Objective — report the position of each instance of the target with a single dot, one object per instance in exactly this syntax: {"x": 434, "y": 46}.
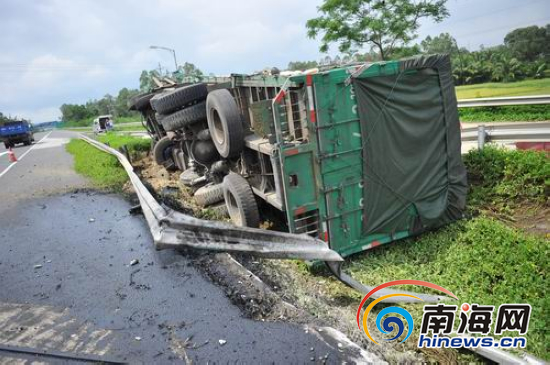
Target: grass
{"x": 122, "y": 127}
{"x": 134, "y": 144}
{"x": 505, "y": 113}
{"x": 481, "y": 261}
{"x": 516, "y": 113}
{"x": 103, "y": 169}
{"x": 495, "y": 89}
{"x": 503, "y": 178}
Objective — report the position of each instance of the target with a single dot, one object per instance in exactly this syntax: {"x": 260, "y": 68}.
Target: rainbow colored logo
{"x": 387, "y": 325}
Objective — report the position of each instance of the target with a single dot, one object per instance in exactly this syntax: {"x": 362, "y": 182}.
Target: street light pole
{"x": 169, "y": 50}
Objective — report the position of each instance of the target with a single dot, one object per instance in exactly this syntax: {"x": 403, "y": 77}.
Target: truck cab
{"x": 14, "y": 132}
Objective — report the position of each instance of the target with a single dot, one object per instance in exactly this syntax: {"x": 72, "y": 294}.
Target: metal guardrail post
{"x": 481, "y": 136}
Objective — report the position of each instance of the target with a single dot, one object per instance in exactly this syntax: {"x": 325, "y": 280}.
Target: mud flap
{"x": 336, "y": 269}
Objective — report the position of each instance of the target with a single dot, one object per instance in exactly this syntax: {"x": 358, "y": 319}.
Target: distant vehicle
{"x": 103, "y": 123}
{"x": 15, "y": 132}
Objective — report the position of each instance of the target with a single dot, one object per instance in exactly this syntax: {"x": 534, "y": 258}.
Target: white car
{"x": 103, "y": 123}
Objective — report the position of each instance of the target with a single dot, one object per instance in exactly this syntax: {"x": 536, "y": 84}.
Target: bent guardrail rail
{"x": 175, "y": 230}
{"x": 172, "y": 229}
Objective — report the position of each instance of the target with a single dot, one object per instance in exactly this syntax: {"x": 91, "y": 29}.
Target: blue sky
{"x": 69, "y": 51}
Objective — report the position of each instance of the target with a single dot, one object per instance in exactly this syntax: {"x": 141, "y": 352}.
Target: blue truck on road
{"x": 13, "y": 132}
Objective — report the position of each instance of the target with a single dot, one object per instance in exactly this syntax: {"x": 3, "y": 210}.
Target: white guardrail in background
{"x": 503, "y": 101}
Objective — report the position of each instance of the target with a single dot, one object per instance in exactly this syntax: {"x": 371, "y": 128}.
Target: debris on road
{"x": 38, "y": 266}
{"x": 222, "y": 342}
{"x": 91, "y": 220}
{"x": 134, "y": 262}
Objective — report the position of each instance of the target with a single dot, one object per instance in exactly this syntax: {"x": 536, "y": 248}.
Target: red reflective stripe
{"x": 279, "y": 97}
{"x": 299, "y": 210}
{"x": 326, "y": 236}
{"x": 292, "y": 152}
{"x": 312, "y": 116}
{"x": 375, "y": 243}
{"x": 309, "y": 80}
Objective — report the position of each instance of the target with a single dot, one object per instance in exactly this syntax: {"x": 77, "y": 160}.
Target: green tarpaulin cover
{"x": 413, "y": 171}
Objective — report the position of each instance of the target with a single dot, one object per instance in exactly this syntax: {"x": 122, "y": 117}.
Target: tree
{"x": 382, "y": 24}
{"x": 189, "y": 69}
{"x": 443, "y": 43}
{"x": 529, "y": 43}
{"x": 301, "y": 65}
{"x": 146, "y": 82}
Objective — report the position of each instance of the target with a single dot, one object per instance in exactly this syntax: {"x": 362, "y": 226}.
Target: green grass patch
{"x": 481, "y": 261}
{"x": 134, "y": 144}
{"x": 495, "y": 89}
{"x": 122, "y": 127}
{"x": 503, "y": 178}
{"x": 512, "y": 113}
{"x": 103, "y": 169}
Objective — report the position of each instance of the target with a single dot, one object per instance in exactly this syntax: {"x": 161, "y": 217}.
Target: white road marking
{"x": 3, "y": 153}
{"x": 23, "y": 155}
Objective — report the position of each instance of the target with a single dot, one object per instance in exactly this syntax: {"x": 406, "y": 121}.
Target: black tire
{"x": 208, "y": 195}
{"x": 170, "y": 101}
{"x": 140, "y": 102}
{"x": 224, "y": 123}
{"x": 7, "y": 145}
{"x": 181, "y": 118}
{"x": 162, "y": 151}
{"x": 240, "y": 201}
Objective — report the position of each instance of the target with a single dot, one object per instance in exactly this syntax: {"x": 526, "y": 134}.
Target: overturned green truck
{"x": 357, "y": 155}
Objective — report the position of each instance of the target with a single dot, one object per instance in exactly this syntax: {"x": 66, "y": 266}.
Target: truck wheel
{"x": 181, "y": 118}
{"x": 224, "y": 123}
{"x": 162, "y": 152}
{"x": 7, "y": 145}
{"x": 209, "y": 194}
{"x": 240, "y": 201}
{"x": 140, "y": 102}
{"x": 169, "y": 102}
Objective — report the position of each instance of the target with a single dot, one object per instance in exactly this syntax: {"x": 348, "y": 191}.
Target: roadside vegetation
{"x": 496, "y": 89}
{"x": 103, "y": 169}
{"x": 494, "y": 256}
{"x": 515, "y": 113}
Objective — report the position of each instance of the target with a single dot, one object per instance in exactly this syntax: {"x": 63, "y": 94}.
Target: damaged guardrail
{"x": 172, "y": 229}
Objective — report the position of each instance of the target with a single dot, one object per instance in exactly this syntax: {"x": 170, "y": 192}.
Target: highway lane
{"x": 20, "y": 151}
{"x": 67, "y": 283}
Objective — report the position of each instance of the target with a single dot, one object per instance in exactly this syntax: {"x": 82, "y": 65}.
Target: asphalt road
{"x": 67, "y": 284}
